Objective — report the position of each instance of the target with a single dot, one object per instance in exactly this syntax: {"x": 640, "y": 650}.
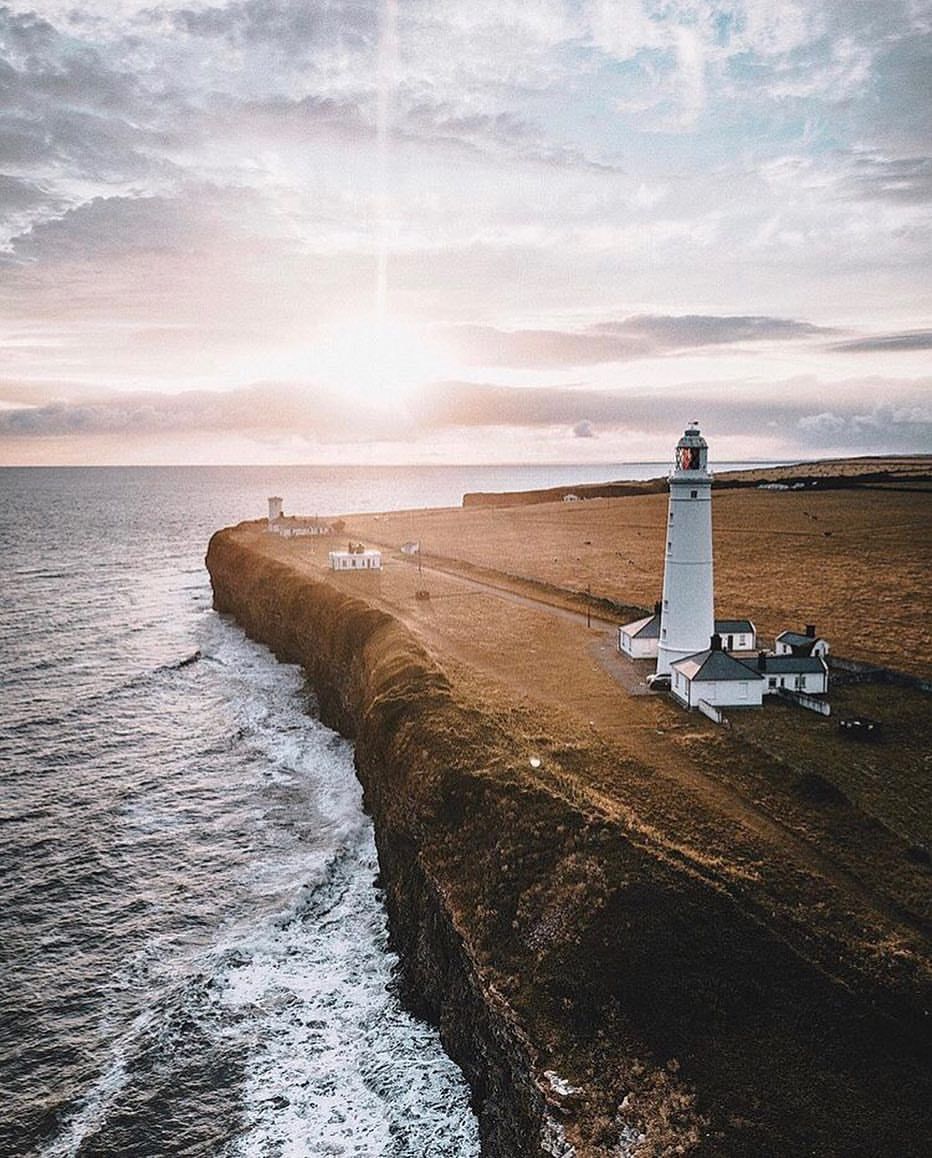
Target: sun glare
{"x": 379, "y": 361}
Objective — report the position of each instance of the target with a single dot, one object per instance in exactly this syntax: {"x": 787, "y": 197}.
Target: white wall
{"x": 813, "y": 682}
{"x": 636, "y": 648}
{"x": 721, "y": 693}
{"x": 687, "y": 614}
{"x": 740, "y": 641}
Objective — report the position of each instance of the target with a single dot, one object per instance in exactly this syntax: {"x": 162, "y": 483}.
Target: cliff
{"x": 603, "y": 990}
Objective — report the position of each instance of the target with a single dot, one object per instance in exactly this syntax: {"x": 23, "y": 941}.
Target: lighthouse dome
{"x": 692, "y": 451}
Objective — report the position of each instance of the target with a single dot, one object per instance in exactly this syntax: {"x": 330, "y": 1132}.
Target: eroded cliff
{"x": 604, "y": 991}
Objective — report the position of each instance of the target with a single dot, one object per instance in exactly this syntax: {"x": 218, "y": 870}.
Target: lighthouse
{"x": 687, "y": 611}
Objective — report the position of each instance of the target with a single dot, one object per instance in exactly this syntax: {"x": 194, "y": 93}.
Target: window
{"x": 663, "y": 632}
{"x": 772, "y": 682}
{"x": 669, "y": 545}
{"x": 694, "y": 494}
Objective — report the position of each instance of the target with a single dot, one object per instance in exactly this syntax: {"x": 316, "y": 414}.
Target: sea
{"x": 194, "y": 956}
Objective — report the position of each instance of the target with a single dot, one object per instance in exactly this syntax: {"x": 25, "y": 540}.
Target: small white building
{"x": 797, "y": 643}
{"x": 639, "y": 639}
{"x": 717, "y": 678}
{"x": 796, "y": 673}
{"x": 571, "y": 498}
{"x": 737, "y": 634}
{"x": 356, "y": 560}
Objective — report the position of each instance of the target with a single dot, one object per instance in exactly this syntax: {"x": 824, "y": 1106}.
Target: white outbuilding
{"x": 737, "y": 634}
{"x": 801, "y": 643}
{"x": 717, "y": 678}
{"x": 356, "y": 560}
{"x": 639, "y": 639}
{"x": 796, "y": 673}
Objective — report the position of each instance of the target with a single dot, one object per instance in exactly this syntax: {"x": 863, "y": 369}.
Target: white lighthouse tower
{"x": 687, "y": 612}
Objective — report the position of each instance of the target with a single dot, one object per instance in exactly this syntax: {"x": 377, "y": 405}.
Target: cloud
{"x": 890, "y": 414}
{"x": 641, "y": 336}
{"x": 798, "y": 415}
{"x": 107, "y": 225}
{"x": 887, "y": 343}
{"x": 883, "y": 425}
{"x": 259, "y": 409}
{"x": 874, "y": 177}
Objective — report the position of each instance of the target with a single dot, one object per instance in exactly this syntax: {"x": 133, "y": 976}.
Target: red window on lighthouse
{"x": 688, "y": 457}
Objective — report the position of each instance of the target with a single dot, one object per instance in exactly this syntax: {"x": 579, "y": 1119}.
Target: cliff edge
{"x": 606, "y": 988}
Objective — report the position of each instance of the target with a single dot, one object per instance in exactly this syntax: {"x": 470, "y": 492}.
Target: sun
{"x": 376, "y": 360}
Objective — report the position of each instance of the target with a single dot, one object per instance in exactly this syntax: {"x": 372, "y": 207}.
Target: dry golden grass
{"x": 854, "y": 562}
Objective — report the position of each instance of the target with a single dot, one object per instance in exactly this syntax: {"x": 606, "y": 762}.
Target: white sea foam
{"x": 335, "y": 1065}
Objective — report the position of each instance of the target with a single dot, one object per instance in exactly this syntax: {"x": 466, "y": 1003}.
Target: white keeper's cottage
{"x": 796, "y": 673}
{"x": 801, "y": 643}
{"x": 717, "y": 678}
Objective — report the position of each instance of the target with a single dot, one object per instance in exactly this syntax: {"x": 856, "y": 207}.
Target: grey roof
{"x": 792, "y": 664}
{"x": 733, "y": 626}
{"x": 706, "y": 666}
{"x": 646, "y": 628}
{"x": 797, "y": 639}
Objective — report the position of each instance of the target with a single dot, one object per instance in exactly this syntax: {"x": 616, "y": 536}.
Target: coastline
{"x": 551, "y": 930}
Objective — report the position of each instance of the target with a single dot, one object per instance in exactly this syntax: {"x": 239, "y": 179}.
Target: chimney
{"x": 715, "y": 643}
{"x": 762, "y": 661}
{"x": 810, "y": 630}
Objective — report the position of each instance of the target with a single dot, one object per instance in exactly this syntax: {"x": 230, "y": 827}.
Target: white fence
{"x": 715, "y": 714}
{"x": 804, "y": 701}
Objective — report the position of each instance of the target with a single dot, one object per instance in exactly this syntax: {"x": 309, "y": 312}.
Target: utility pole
{"x": 589, "y": 605}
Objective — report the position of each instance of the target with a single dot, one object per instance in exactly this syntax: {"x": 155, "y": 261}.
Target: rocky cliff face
{"x": 603, "y": 994}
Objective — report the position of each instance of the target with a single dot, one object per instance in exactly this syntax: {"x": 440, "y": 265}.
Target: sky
{"x": 401, "y": 231}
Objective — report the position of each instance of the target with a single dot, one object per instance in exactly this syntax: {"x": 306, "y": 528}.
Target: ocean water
{"x": 192, "y": 943}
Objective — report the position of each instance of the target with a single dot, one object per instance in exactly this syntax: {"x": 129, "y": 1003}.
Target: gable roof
{"x": 792, "y": 664}
{"x": 797, "y": 639}
{"x": 647, "y": 628}
{"x": 718, "y": 666}
{"x": 733, "y": 626}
